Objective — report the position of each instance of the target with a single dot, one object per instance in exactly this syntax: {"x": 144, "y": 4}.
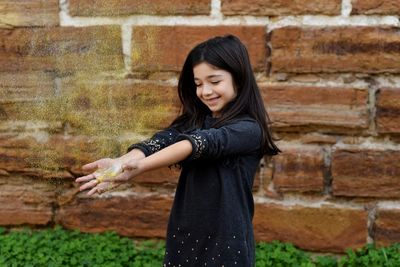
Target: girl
{"x": 218, "y": 140}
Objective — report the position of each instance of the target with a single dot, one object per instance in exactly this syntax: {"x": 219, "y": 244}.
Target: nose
{"x": 207, "y": 90}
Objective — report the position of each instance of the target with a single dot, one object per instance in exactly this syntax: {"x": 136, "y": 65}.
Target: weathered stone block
{"x": 166, "y": 47}
{"x": 336, "y": 49}
{"x": 299, "y": 169}
{"x": 388, "y": 110}
{"x": 359, "y": 172}
{"x": 25, "y": 201}
{"x": 129, "y": 7}
{"x": 135, "y": 216}
{"x": 386, "y": 229}
{"x": 280, "y": 7}
{"x": 62, "y": 49}
{"x": 336, "y": 109}
{"x": 25, "y": 86}
{"x": 317, "y": 229}
{"x": 29, "y": 13}
{"x": 375, "y": 7}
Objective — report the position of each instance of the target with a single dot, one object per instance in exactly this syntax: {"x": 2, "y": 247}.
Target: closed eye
{"x": 215, "y": 82}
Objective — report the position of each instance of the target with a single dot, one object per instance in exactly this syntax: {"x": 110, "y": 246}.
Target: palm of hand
{"x": 92, "y": 182}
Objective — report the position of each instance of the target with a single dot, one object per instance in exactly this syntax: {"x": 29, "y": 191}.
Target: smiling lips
{"x": 212, "y": 101}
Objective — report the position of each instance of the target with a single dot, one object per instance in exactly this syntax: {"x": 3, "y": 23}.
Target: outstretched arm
{"x": 163, "y": 158}
{"x": 103, "y": 167}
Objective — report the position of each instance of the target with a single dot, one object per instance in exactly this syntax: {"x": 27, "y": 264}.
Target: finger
{"x": 113, "y": 186}
{"x": 99, "y": 189}
{"x": 91, "y": 166}
{"x": 85, "y": 178}
{"x": 102, "y": 187}
{"x": 88, "y": 185}
{"x": 92, "y": 191}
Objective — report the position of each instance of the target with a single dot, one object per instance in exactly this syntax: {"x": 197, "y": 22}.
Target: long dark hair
{"x": 229, "y": 54}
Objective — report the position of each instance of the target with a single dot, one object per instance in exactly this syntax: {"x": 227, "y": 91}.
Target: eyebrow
{"x": 210, "y": 76}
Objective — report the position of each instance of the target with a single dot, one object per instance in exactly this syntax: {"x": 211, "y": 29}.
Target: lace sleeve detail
{"x": 159, "y": 141}
{"x": 199, "y": 145}
{"x": 239, "y": 138}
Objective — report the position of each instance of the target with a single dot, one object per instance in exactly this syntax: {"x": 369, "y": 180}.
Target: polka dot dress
{"x": 210, "y": 223}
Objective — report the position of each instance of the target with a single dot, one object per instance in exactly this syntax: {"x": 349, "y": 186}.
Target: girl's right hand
{"x": 91, "y": 180}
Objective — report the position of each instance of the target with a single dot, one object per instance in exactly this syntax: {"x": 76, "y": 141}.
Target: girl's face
{"x": 214, "y": 87}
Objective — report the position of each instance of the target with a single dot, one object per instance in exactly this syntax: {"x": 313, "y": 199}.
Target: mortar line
{"x": 126, "y": 36}
{"x": 372, "y": 94}
{"x": 216, "y": 18}
{"x": 216, "y": 9}
{"x": 303, "y": 201}
{"x": 371, "y": 218}
{"x": 327, "y": 170}
{"x": 260, "y": 191}
{"x": 346, "y": 8}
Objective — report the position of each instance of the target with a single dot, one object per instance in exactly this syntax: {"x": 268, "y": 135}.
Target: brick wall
{"x": 81, "y": 79}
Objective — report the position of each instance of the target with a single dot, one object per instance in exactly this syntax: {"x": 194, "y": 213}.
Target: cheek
{"x": 198, "y": 92}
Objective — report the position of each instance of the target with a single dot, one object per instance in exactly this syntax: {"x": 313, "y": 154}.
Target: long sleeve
{"x": 157, "y": 142}
{"x": 241, "y": 137}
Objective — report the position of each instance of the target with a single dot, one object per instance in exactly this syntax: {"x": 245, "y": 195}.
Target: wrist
{"x": 133, "y": 154}
{"x": 141, "y": 166}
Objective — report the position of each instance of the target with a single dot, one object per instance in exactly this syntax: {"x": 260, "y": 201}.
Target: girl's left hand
{"x": 130, "y": 169}
{"x": 108, "y": 175}
{"x": 102, "y": 187}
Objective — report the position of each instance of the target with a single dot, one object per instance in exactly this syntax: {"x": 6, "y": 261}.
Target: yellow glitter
{"x": 108, "y": 173}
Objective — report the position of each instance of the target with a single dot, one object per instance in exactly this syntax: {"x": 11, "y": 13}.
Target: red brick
{"x": 336, "y": 49}
{"x": 386, "y": 228}
{"x": 25, "y": 201}
{"x": 28, "y": 86}
{"x": 280, "y": 7}
{"x": 134, "y": 216}
{"x": 338, "y": 109}
{"x": 359, "y": 172}
{"x": 66, "y": 49}
{"x": 49, "y": 159}
{"x": 159, "y": 176}
{"x": 299, "y": 169}
{"x": 375, "y": 7}
{"x": 388, "y": 110}
{"x": 129, "y": 7}
{"x": 117, "y": 105}
{"x": 316, "y": 138}
{"x": 325, "y": 229}
{"x": 29, "y": 13}
{"x": 166, "y": 47}
{"x": 95, "y": 107}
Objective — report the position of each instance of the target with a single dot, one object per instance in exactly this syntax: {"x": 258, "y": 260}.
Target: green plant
{"x": 281, "y": 255}
{"x": 371, "y": 256}
{"x": 59, "y": 247}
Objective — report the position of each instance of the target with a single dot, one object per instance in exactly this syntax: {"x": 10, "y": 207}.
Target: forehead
{"x": 205, "y": 70}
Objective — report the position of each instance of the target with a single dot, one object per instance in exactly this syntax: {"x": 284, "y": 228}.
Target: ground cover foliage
{"x": 60, "y": 247}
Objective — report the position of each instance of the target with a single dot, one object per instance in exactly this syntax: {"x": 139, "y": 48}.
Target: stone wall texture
{"x": 80, "y": 80}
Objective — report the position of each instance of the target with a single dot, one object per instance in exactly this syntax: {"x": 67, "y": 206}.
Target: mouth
{"x": 212, "y": 101}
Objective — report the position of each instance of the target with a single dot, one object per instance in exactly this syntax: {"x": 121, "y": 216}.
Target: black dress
{"x": 210, "y": 222}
